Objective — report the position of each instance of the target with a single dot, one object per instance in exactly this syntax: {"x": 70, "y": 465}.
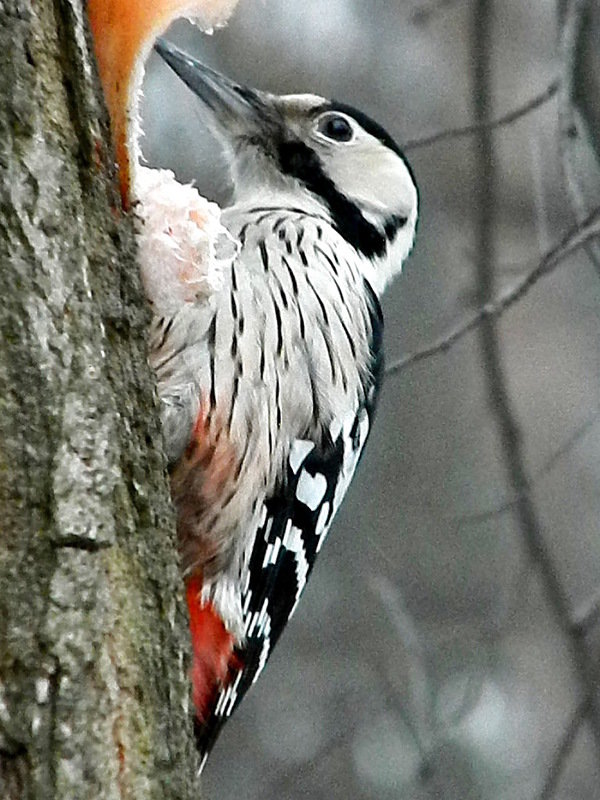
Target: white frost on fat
{"x": 183, "y": 246}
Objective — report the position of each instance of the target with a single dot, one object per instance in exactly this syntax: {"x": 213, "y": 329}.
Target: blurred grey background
{"x": 424, "y": 660}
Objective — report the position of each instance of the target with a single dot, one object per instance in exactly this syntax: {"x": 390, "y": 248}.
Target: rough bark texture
{"x": 93, "y": 643}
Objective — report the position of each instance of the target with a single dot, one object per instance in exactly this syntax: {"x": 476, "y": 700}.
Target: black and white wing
{"x": 292, "y": 526}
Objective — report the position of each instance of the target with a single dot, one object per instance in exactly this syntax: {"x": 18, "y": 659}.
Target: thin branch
{"x": 501, "y": 122}
{"x": 280, "y": 785}
{"x": 470, "y": 699}
{"x": 576, "y": 150}
{"x": 587, "y": 615}
{"x": 533, "y": 534}
{"x": 575, "y": 238}
{"x": 548, "y": 466}
{"x": 424, "y": 13}
{"x": 420, "y": 686}
{"x": 541, "y": 212}
{"x": 499, "y": 398}
{"x": 485, "y": 211}
{"x": 564, "y": 750}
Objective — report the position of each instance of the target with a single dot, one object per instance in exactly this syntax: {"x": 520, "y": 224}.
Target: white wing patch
{"x": 322, "y": 520}
{"x": 311, "y": 489}
{"x": 298, "y": 452}
{"x": 294, "y": 542}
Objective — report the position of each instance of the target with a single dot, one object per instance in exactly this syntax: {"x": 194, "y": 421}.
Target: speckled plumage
{"x": 269, "y": 383}
{"x": 254, "y": 364}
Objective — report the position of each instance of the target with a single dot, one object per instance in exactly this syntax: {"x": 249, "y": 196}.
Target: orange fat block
{"x": 124, "y": 32}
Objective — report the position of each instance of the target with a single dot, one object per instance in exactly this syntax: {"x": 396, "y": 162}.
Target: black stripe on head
{"x": 299, "y": 161}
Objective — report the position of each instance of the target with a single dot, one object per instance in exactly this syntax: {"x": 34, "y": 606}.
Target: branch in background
{"x": 488, "y": 125}
{"x": 423, "y": 14}
{"x": 580, "y": 160}
{"x": 283, "y": 783}
{"x": 500, "y": 402}
{"x": 575, "y": 238}
{"x": 587, "y": 74}
{"x": 548, "y": 466}
{"x": 564, "y": 750}
{"x": 538, "y": 173}
{"x": 422, "y": 722}
{"x": 587, "y": 615}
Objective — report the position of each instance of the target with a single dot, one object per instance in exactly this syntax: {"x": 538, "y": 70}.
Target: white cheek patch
{"x": 374, "y": 177}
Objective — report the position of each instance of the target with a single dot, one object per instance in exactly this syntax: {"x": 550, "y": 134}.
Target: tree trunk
{"x": 93, "y": 634}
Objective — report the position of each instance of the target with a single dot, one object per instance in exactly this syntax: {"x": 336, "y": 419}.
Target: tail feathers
{"x": 215, "y": 662}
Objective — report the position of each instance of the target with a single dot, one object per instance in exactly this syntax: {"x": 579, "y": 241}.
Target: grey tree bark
{"x": 93, "y": 634}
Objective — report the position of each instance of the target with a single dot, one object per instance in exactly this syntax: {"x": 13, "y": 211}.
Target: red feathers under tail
{"x": 214, "y": 659}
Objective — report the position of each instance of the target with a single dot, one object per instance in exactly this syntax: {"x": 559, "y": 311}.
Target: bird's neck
{"x": 279, "y": 197}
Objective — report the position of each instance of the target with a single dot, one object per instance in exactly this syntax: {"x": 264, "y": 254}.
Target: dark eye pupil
{"x": 336, "y": 128}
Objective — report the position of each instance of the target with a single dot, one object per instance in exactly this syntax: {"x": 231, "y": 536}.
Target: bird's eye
{"x": 335, "y": 127}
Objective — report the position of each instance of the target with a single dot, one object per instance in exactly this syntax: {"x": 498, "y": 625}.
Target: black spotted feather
{"x": 294, "y": 522}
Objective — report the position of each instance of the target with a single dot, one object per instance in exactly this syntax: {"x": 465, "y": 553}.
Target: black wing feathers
{"x": 294, "y": 523}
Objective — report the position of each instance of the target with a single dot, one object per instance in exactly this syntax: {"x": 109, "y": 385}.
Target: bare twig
{"x": 587, "y": 615}
{"x": 423, "y": 13}
{"x": 577, "y": 152}
{"x": 575, "y": 238}
{"x": 470, "y": 699}
{"x": 485, "y": 209}
{"x": 548, "y": 466}
{"x": 499, "y": 399}
{"x": 391, "y": 600}
{"x": 420, "y": 689}
{"x": 280, "y": 785}
{"x": 533, "y": 534}
{"x": 541, "y": 212}
{"x": 563, "y": 750}
{"x": 501, "y": 122}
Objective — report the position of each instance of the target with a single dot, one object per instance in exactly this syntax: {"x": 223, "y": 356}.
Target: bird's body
{"x": 268, "y": 385}
{"x": 285, "y": 378}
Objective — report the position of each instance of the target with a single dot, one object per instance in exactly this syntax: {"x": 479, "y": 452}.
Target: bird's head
{"x": 321, "y": 155}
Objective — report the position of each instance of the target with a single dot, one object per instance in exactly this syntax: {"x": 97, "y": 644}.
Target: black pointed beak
{"x": 236, "y": 109}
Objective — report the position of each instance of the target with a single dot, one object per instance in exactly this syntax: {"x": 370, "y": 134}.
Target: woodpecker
{"x": 269, "y": 385}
